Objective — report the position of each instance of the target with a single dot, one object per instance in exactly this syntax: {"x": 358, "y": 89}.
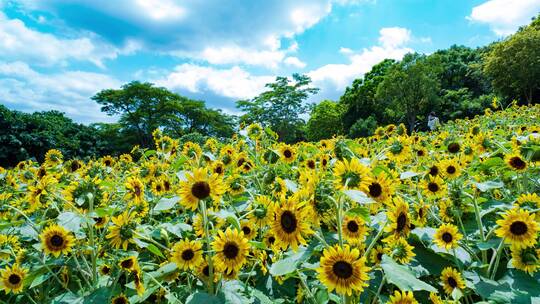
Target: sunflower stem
{"x": 92, "y": 241}
{"x": 493, "y": 267}
{"x": 480, "y": 228}
{"x": 383, "y": 281}
{"x": 375, "y": 239}
{"x": 207, "y": 237}
{"x": 305, "y": 286}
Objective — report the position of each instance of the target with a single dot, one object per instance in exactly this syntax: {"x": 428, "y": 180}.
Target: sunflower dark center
{"x": 450, "y": 169}
{"x": 206, "y": 270}
{"x": 167, "y": 185}
{"x": 137, "y": 190}
{"x": 127, "y": 264}
{"x": 287, "y": 153}
{"x": 98, "y": 220}
{"x": 342, "y": 269}
{"x": 517, "y": 163}
{"x": 311, "y": 164}
{"x": 433, "y": 171}
{"x": 187, "y": 255}
{"x": 158, "y": 188}
{"x": 420, "y": 152}
{"x": 375, "y": 190}
{"x": 518, "y": 228}
{"x": 120, "y": 301}
{"x": 57, "y": 240}
{"x": 75, "y": 166}
{"x": 447, "y": 237}
{"x": 453, "y": 148}
{"x": 324, "y": 162}
{"x": 352, "y": 226}
{"x": 288, "y": 222}
{"x": 230, "y": 250}
{"x": 379, "y": 256}
{"x": 107, "y": 163}
{"x": 452, "y": 282}
{"x": 401, "y": 222}
{"x": 14, "y": 279}
{"x": 218, "y": 170}
{"x": 433, "y": 187}
{"x": 271, "y": 240}
{"x": 200, "y": 190}
{"x": 246, "y": 230}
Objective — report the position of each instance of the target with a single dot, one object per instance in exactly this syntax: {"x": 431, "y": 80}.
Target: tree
{"x": 324, "y": 121}
{"x": 281, "y": 107}
{"x": 359, "y": 99}
{"x": 514, "y": 64}
{"x": 410, "y": 88}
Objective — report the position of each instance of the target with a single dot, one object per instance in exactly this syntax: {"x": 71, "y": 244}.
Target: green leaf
{"x": 360, "y": 211}
{"x": 408, "y": 174}
{"x": 402, "y": 276}
{"x": 287, "y": 265}
{"x": 291, "y": 186}
{"x": 166, "y": 203}
{"x": 203, "y": 297}
{"x": 39, "y": 280}
{"x": 152, "y": 248}
{"x": 358, "y": 196}
{"x": 232, "y": 292}
{"x": 489, "y": 185}
{"x": 70, "y": 220}
{"x": 163, "y": 270}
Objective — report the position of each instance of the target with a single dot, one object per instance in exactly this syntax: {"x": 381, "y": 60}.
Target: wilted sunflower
{"x": 451, "y": 279}
{"x": 343, "y": 269}
{"x": 351, "y": 174}
{"x": 231, "y": 249}
{"x": 187, "y": 254}
{"x": 122, "y": 231}
{"x": 129, "y": 264}
{"x": 137, "y": 280}
{"x": 199, "y": 186}
{"x": 12, "y": 279}
{"x": 526, "y": 259}
{"x": 354, "y": 229}
{"x": 399, "y": 218}
{"x": 434, "y": 187}
{"x": 56, "y": 240}
{"x": 290, "y": 225}
{"x": 120, "y": 299}
{"x": 287, "y": 153}
{"x": 402, "y": 297}
{"x": 447, "y": 236}
{"x": 518, "y": 227}
{"x": 516, "y": 162}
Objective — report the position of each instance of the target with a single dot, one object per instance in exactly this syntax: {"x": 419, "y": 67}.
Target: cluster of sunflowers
{"x": 443, "y": 217}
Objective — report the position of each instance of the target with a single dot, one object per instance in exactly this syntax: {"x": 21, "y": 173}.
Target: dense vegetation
{"x": 440, "y": 217}
{"x": 455, "y": 83}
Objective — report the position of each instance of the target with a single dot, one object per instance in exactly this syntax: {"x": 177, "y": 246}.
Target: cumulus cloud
{"x": 26, "y": 89}
{"x": 18, "y": 42}
{"x": 294, "y": 62}
{"x": 504, "y": 17}
{"x": 338, "y": 76}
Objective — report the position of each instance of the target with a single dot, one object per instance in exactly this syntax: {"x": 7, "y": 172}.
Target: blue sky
{"x": 56, "y": 54}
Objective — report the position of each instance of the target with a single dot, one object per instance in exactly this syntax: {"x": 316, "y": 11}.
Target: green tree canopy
{"x": 324, "y": 121}
{"x": 281, "y": 107}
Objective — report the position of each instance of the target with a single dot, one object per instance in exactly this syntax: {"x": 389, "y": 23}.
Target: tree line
{"x": 454, "y": 83}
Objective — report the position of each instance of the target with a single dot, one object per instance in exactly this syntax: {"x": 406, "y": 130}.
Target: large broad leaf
{"x": 288, "y": 264}
{"x": 360, "y": 211}
{"x": 166, "y": 203}
{"x": 489, "y": 185}
{"x": 203, "y": 297}
{"x": 232, "y": 292}
{"x": 291, "y": 186}
{"x": 358, "y": 196}
{"x": 176, "y": 229}
{"x": 402, "y": 276}
{"x": 70, "y": 220}
{"x": 408, "y": 174}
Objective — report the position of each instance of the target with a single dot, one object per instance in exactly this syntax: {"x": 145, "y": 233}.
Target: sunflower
{"x": 445, "y": 211}
{"x": 434, "y": 187}
{"x": 351, "y": 175}
{"x": 105, "y": 270}
{"x": 231, "y": 249}
{"x": 120, "y": 299}
{"x": 451, "y": 279}
{"x": 199, "y": 186}
{"x": 287, "y": 153}
{"x": 526, "y": 259}
{"x": 402, "y": 297}
{"x": 129, "y": 264}
{"x": 447, "y": 236}
{"x": 248, "y": 228}
{"x": 398, "y": 149}
{"x": 56, "y": 240}
{"x": 122, "y": 231}
{"x": 100, "y": 221}
{"x": 53, "y": 157}
{"x": 516, "y": 162}
{"x": 289, "y": 226}
{"x": 343, "y": 269}
{"x": 450, "y": 168}
{"x": 421, "y": 210}
{"x": 157, "y": 187}
{"x": 134, "y": 189}
{"x": 262, "y": 213}
{"x": 108, "y": 161}
{"x": 377, "y": 253}
{"x": 529, "y": 199}
{"x": 8, "y": 243}
{"x": 380, "y": 188}
{"x": 12, "y": 279}
{"x": 218, "y": 168}
{"x": 139, "y": 285}
{"x": 400, "y": 250}
{"x": 187, "y": 254}
{"x": 518, "y": 227}
{"x": 354, "y": 229}
{"x": 398, "y": 216}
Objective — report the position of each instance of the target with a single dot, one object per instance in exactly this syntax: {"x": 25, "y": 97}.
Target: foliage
{"x": 514, "y": 64}
{"x": 363, "y": 127}
{"x": 281, "y": 107}
{"x": 324, "y": 121}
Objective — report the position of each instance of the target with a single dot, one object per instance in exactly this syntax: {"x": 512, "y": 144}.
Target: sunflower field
{"x": 451, "y": 216}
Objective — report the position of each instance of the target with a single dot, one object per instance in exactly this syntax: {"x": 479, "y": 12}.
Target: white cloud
{"x": 25, "y": 89}
{"x": 505, "y": 16}
{"x": 237, "y": 55}
{"x": 295, "y": 62}
{"x": 233, "y": 83}
{"x": 161, "y": 9}
{"x": 339, "y": 76}
{"x": 18, "y": 42}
